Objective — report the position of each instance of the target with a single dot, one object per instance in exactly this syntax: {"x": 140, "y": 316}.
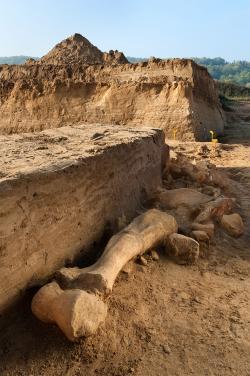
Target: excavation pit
{"x": 59, "y": 189}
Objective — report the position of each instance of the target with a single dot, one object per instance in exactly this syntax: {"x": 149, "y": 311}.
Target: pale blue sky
{"x": 180, "y": 28}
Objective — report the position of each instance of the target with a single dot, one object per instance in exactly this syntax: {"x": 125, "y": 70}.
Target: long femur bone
{"x": 78, "y": 292}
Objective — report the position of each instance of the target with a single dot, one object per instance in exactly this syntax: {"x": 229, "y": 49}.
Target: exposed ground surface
{"x": 164, "y": 318}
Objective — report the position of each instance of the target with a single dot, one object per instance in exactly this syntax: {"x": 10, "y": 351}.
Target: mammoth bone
{"x": 76, "y": 301}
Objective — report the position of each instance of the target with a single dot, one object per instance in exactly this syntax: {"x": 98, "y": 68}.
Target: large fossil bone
{"x": 70, "y": 301}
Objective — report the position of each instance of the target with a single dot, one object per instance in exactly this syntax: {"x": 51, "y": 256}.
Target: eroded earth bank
{"x": 75, "y": 83}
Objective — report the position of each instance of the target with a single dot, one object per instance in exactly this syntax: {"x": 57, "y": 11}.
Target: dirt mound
{"x": 114, "y": 57}
{"x": 75, "y": 83}
{"x": 77, "y": 49}
{"x": 74, "y": 49}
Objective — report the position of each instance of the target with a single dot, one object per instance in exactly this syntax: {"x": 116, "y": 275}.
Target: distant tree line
{"x": 237, "y": 72}
{"x": 15, "y": 59}
{"x": 132, "y": 59}
{"x": 229, "y": 90}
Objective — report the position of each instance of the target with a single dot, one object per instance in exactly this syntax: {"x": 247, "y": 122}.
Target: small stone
{"x": 200, "y": 236}
{"x": 166, "y": 349}
{"x": 184, "y": 296}
{"x": 141, "y": 268}
{"x": 122, "y": 222}
{"x": 211, "y": 191}
{"x": 143, "y": 261}
{"x": 205, "y": 274}
{"x": 234, "y": 319}
{"x": 203, "y": 150}
{"x": 196, "y": 300}
{"x": 154, "y": 255}
{"x": 232, "y": 224}
{"x": 183, "y": 247}
{"x": 97, "y": 136}
{"x": 128, "y": 268}
{"x": 208, "y": 190}
{"x": 207, "y": 227}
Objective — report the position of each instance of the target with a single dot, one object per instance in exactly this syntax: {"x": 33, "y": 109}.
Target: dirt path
{"x": 164, "y": 318}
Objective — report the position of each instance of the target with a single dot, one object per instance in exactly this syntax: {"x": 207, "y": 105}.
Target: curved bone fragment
{"x": 181, "y": 166}
{"x": 173, "y": 198}
{"x": 201, "y": 172}
{"x": 215, "y": 209}
{"x": 75, "y": 303}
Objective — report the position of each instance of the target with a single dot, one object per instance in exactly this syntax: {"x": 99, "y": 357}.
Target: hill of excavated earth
{"x": 75, "y": 83}
{"x": 77, "y": 49}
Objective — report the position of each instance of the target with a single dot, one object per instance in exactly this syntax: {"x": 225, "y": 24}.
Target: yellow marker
{"x": 214, "y": 140}
{"x": 174, "y": 133}
{"x": 212, "y": 134}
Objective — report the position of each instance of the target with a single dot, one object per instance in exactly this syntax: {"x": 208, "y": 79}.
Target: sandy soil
{"x": 164, "y": 318}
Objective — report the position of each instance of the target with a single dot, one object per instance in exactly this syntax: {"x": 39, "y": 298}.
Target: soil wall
{"x": 60, "y": 189}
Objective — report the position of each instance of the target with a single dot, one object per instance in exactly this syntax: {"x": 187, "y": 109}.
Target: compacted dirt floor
{"x": 164, "y": 318}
